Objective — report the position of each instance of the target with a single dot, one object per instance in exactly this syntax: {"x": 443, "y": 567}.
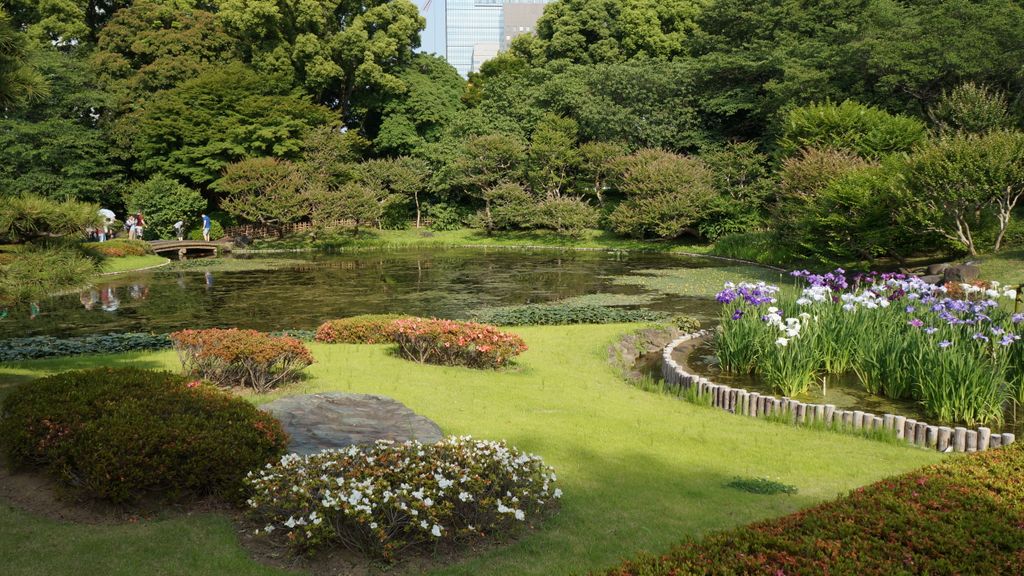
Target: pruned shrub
{"x": 451, "y": 343}
{"x": 557, "y": 314}
{"x": 246, "y": 358}
{"x": 391, "y": 498}
{"x": 959, "y": 517}
{"x": 118, "y": 248}
{"x": 365, "y": 329}
{"x": 125, "y": 434}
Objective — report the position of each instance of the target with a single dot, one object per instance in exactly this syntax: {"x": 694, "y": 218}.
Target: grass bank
{"x": 368, "y": 239}
{"x": 131, "y": 263}
{"x": 639, "y": 470}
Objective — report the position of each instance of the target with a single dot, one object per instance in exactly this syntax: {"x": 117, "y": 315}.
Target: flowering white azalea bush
{"x": 387, "y": 498}
{"x": 955, "y": 348}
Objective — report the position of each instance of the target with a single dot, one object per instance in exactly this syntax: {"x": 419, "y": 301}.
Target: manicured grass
{"x": 591, "y": 239}
{"x": 639, "y": 470}
{"x": 129, "y": 263}
{"x": 1006, "y": 267}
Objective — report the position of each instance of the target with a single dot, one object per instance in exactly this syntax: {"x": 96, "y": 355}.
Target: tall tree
{"x": 266, "y": 191}
{"x": 226, "y": 114}
{"x": 155, "y": 45}
{"x": 343, "y": 53}
{"x": 20, "y": 83}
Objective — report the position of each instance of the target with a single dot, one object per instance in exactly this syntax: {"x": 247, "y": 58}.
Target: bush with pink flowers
{"x": 452, "y": 343}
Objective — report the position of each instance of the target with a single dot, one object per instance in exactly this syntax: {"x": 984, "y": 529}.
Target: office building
{"x": 467, "y": 33}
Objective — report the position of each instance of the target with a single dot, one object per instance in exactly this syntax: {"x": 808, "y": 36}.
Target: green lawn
{"x": 591, "y": 239}
{"x": 639, "y": 470}
{"x": 1006, "y": 267}
{"x": 129, "y": 263}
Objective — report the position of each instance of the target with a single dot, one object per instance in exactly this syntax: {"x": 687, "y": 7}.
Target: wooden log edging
{"x": 755, "y": 404}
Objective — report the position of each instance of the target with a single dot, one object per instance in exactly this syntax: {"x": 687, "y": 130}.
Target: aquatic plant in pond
{"x": 960, "y": 357}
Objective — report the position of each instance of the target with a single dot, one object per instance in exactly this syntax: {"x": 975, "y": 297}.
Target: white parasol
{"x": 108, "y": 214}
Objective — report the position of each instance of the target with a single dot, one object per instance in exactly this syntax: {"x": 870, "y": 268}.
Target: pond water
{"x": 437, "y": 282}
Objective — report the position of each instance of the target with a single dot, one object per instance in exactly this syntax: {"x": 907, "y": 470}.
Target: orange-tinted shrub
{"x": 247, "y": 358}
{"x": 365, "y": 329}
{"x": 454, "y": 343}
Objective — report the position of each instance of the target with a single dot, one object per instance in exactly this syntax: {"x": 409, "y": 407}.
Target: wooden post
{"x": 983, "y": 437}
{"x": 819, "y": 413}
{"x": 959, "y": 439}
{"x": 931, "y": 436}
{"x": 919, "y": 433}
{"x": 996, "y": 441}
{"x": 887, "y": 420}
{"x": 858, "y": 418}
{"x": 830, "y": 413}
{"x": 876, "y": 423}
{"x": 755, "y": 401}
{"x": 1008, "y": 438}
{"x": 899, "y": 423}
{"x": 972, "y": 440}
{"x": 847, "y": 418}
{"x": 909, "y": 426}
{"x": 945, "y": 435}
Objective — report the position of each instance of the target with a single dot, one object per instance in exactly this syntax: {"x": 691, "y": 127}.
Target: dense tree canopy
{"x": 827, "y": 127}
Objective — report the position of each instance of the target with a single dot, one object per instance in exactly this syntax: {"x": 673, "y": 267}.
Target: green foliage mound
{"x": 553, "y": 314}
{"x": 867, "y": 131}
{"x": 959, "y": 517}
{"x": 365, "y": 329}
{"x": 390, "y": 498}
{"x": 123, "y": 435}
{"x": 118, "y": 247}
{"x": 164, "y": 201}
{"x": 16, "y": 349}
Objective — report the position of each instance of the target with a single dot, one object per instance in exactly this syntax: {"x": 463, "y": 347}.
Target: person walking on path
{"x": 179, "y": 230}
{"x": 207, "y": 224}
{"x": 129, "y": 224}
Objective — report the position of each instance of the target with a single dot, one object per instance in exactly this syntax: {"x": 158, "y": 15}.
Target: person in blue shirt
{"x": 207, "y": 224}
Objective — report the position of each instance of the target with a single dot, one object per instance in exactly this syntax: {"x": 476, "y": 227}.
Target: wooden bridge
{"x": 183, "y": 247}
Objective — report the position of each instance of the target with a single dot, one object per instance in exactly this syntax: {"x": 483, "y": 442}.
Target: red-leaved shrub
{"x": 963, "y": 516}
{"x": 365, "y": 329}
{"x": 233, "y": 357}
{"x": 123, "y": 435}
{"x": 454, "y": 343}
{"x": 119, "y": 248}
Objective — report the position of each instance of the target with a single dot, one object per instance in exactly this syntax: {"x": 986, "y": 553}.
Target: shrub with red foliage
{"x": 119, "y": 248}
{"x": 365, "y": 329}
{"x": 454, "y": 343}
{"x": 247, "y": 358}
{"x": 964, "y": 516}
{"x": 124, "y": 435}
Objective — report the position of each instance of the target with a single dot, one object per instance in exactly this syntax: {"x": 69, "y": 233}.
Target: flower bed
{"x": 247, "y": 358}
{"x": 454, "y": 343}
{"x": 963, "y": 516}
{"x": 125, "y": 434}
{"x": 902, "y": 338}
{"x": 390, "y": 498}
{"x": 365, "y": 329}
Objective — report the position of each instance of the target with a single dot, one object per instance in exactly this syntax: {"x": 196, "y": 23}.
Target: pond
{"x": 437, "y": 282}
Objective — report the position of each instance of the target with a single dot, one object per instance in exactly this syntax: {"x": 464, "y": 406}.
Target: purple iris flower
{"x": 930, "y": 330}
{"x": 980, "y": 336}
{"x": 1009, "y": 339}
{"x": 1017, "y": 318}
{"x": 916, "y": 322}
{"x": 737, "y": 314}
{"x": 909, "y": 309}
{"x": 945, "y": 344}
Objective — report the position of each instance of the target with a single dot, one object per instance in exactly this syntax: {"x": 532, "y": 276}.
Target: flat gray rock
{"x": 316, "y": 422}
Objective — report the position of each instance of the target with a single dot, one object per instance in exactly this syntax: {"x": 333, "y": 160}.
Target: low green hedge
{"x": 121, "y": 435}
{"x": 964, "y": 516}
{"x": 16, "y": 349}
{"x": 555, "y": 314}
